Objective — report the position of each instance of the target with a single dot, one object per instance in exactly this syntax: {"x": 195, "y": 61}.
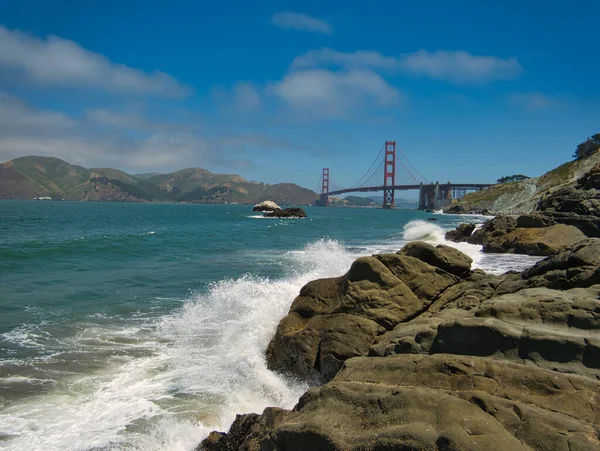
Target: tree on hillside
{"x": 512, "y": 178}
{"x": 588, "y": 147}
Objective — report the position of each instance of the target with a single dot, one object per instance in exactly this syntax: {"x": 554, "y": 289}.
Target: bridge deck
{"x": 365, "y": 189}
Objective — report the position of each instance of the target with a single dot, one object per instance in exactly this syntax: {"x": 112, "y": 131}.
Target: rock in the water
{"x": 530, "y": 234}
{"x": 461, "y": 233}
{"x": 267, "y": 205}
{"x": 432, "y": 219}
{"x": 535, "y": 240}
{"x": 455, "y": 209}
{"x": 287, "y": 213}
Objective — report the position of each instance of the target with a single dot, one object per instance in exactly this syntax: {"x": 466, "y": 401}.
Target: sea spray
{"x": 173, "y": 380}
{"x": 426, "y": 231}
{"x": 423, "y": 230}
{"x": 103, "y": 346}
{"x": 492, "y": 263}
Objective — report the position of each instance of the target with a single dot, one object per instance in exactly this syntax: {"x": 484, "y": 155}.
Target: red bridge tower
{"x": 389, "y": 174}
{"x": 324, "y": 200}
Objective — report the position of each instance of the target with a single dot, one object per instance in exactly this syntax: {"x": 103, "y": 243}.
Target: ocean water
{"x": 144, "y": 326}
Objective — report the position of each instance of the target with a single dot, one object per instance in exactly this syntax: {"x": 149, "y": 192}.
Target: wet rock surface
{"x": 418, "y": 352}
{"x": 461, "y": 233}
{"x": 287, "y": 213}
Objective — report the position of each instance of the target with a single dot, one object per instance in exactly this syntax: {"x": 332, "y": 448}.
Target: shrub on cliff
{"x": 588, "y": 147}
{"x": 512, "y": 178}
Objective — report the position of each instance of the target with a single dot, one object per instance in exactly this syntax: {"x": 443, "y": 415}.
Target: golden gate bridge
{"x": 432, "y": 196}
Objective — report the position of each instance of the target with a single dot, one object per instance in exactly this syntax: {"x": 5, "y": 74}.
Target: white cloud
{"x": 122, "y": 139}
{"x": 533, "y": 101}
{"x": 17, "y": 117}
{"x": 360, "y": 58}
{"x": 453, "y": 66}
{"x": 168, "y": 150}
{"x": 54, "y": 61}
{"x": 117, "y": 119}
{"x": 460, "y": 66}
{"x": 335, "y": 94}
{"x": 303, "y": 22}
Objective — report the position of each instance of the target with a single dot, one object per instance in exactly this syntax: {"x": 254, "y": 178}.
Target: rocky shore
{"x": 417, "y": 351}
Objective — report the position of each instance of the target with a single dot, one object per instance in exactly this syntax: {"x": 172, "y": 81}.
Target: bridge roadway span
{"x": 431, "y": 196}
{"x": 365, "y": 189}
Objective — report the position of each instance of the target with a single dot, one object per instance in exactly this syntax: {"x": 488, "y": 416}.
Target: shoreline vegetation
{"x": 415, "y": 350}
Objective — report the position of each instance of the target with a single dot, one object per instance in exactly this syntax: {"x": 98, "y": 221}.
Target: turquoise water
{"x": 143, "y": 326}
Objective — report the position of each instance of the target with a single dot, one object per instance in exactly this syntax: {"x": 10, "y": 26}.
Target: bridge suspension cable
{"x": 412, "y": 166}
{"x": 409, "y": 173}
{"x": 369, "y": 170}
{"x": 337, "y": 187}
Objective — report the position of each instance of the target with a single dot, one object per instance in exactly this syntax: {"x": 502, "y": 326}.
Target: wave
{"x": 423, "y": 230}
{"x": 166, "y": 384}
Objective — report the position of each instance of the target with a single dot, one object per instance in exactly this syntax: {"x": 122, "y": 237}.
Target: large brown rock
{"x": 534, "y": 241}
{"x": 423, "y": 354}
{"x": 533, "y": 234}
{"x": 461, "y": 233}
{"x": 443, "y": 257}
{"x": 338, "y": 318}
{"x": 439, "y": 402}
{"x": 552, "y": 329}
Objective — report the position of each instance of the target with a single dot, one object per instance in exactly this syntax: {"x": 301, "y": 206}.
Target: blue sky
{"x": 276, "y": 90}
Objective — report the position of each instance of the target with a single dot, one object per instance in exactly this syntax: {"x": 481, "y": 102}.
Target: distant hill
{"x": 33, "y": 176}
{"x": 523, "y": 196}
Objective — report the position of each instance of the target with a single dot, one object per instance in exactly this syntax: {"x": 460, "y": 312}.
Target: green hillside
{"x": 29, "y": 177}
{"x": 522, "y": 196}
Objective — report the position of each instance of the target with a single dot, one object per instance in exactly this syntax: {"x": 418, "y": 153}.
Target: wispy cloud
{"x": 331, "y": 57}
{"x": 54, "y": 61}
{"x": 460, "y": 66}
{"x": 325, "y": 93}
{"x": 452, "y": 66}
{"x": 302, "y": 22}
{"x": 533, "y": 101}
{"x": 126, "y": 140}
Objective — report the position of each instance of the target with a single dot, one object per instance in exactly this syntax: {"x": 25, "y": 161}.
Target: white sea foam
{"x": 491, "y": 263}
{"x": 423, "y": 230}
{"x": 200, "y": 367}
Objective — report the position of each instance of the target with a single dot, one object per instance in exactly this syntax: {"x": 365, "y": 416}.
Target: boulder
{"x": 444, "y": 257}
{"x": 338, "y": 318}
{"x": 267, "y": 205}
{"x": 529, "y": 234}
{"x": 455, "y": 210}
{"x": 441, "y": 402}
{"x": 287, "y": 213}
{"x": 461, "y": 233}
{"x": 534, "y": 241}
{"x": 418, "y": 353}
